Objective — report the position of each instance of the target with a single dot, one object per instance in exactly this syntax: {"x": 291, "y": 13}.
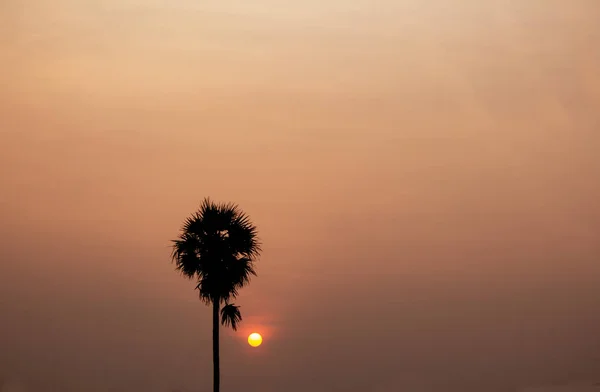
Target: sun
{"x": 255, "y": 339}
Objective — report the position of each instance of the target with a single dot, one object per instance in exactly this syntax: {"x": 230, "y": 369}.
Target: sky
{"x": 423, "y": 174}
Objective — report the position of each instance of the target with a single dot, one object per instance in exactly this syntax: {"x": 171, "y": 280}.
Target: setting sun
{"x": 255, "y": 339}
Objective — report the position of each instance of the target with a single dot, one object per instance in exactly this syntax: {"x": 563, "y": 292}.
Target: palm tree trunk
{"x": 216, "y": 370}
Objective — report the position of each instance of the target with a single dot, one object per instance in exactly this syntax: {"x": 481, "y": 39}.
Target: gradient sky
{"x": 424, "y": 175}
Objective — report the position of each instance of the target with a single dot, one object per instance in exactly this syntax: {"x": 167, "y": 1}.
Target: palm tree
{"x": 218, "y": 246}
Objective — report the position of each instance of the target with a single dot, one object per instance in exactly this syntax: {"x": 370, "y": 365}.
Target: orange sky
{"x": 424, "y": 176}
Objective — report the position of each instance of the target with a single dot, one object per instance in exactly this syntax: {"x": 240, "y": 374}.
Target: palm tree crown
{"x": 218, "y": 246}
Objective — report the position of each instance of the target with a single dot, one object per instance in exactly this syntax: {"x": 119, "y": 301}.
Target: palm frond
{"x": 212, "y": 289}
{"x": 243, "y": 236}
{"x": 185, "y": 255}
{"x": 231, "y": 316}
{"x": 240, "y": 270}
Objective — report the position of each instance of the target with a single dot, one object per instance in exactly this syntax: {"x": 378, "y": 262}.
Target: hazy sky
{"x": 424, "y": 175}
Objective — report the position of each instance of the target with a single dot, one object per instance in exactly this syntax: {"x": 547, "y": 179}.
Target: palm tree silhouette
{"x": 218, "y": 246}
